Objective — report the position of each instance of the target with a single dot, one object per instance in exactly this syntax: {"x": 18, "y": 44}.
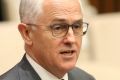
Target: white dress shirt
{"x": 43, "y": 73}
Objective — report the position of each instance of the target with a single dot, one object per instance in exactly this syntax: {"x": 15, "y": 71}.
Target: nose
{"x": 70, "y": 37}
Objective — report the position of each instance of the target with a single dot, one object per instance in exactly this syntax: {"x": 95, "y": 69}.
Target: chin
{"x": 68, "y": 67}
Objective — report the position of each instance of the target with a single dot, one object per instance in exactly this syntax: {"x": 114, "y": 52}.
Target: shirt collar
{"x": 43, "y": 72}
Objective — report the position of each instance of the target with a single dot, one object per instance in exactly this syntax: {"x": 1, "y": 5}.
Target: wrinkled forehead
{"x": 62, "y": 7}
{"x": 69, "y": 10}
{"x": 56, "y": 2}
{"x": 62, "y": 4}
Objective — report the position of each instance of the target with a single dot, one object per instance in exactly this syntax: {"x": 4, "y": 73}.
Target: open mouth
{"x": 67, "y": 52}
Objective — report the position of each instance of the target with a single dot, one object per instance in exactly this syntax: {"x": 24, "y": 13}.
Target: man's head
{"x": 49, "y": 39}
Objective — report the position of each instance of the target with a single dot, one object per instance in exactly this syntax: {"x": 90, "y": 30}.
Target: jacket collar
{"x": 31, "y": 73}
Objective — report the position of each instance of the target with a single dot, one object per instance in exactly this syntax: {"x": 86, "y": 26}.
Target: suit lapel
{"x": 70, "y": 77}
{"x": 26, "y": 71}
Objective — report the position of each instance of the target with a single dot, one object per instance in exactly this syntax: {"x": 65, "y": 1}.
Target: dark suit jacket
{"x": 24, "y": 71}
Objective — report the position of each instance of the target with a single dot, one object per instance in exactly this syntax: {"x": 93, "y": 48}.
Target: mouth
{"x": 67, "y": 52}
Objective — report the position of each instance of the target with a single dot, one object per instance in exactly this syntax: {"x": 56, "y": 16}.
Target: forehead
{"x": 62, "y": 8}
{"x": 62, "y": 4}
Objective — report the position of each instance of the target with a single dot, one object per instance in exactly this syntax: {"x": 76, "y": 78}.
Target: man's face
{"x": 57, "y": 54}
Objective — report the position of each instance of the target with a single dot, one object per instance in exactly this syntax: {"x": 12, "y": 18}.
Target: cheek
{"x": 46, "y": 50}
{"x": 49, "y": 46}
{"x": 78, "y": 44}
{"x": 54, "y": 46}
{"x": 51, "y": 50}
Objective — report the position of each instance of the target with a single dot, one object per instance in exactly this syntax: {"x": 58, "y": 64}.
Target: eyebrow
{"x": 59, "y": 20}
{"x": 79, "y": 21}
{"x": 63, "y": 20}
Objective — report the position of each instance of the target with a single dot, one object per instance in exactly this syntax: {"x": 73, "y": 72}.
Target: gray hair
{"x": 29, "y": 10}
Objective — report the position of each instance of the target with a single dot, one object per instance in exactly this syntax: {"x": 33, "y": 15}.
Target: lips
{"x": 67, "y": 52}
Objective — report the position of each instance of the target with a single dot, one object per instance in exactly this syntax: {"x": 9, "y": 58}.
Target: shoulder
{"x": 15, "y": 72}
{"x": 12, "y": 74}
{"x": 78, "y": 73}
{"x": 22, "y": 71}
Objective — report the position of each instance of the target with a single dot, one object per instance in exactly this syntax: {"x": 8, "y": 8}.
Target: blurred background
{"x": 100, "y": 54}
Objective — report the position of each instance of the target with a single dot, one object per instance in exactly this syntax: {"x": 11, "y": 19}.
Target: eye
{"x": 58, "y": 27}
{"x": 77, "y": 26}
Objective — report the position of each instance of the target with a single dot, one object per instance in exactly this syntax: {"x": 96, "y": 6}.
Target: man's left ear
{"x": 25, "y": 33}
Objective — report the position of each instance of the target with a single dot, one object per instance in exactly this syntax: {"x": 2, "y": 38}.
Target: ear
{"x": 25, "y": 33}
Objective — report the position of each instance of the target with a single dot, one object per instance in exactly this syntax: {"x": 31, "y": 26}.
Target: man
{"x": 52, "y": 31}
